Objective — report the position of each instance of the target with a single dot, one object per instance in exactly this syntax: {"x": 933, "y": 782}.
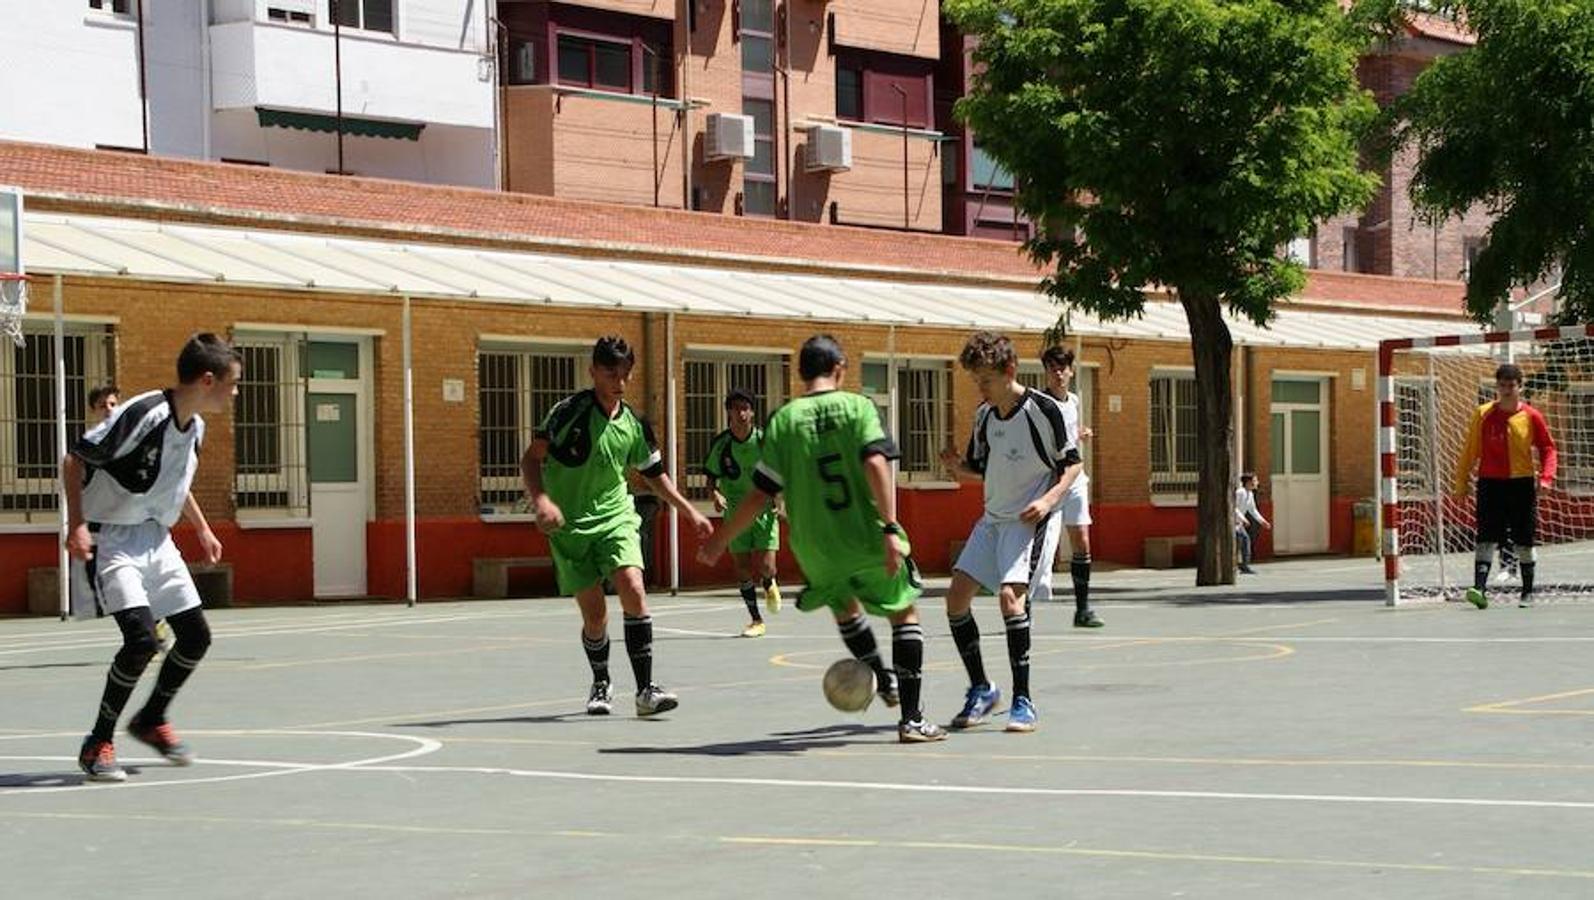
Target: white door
{"x": 335, "y": 438}
{"x": 1299, "y": 477}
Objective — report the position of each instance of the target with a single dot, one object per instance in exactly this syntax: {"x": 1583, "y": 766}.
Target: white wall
{"x": 174, "y": 35}
{"x": 443, "y": 155}
{"x": 69, "y": 75}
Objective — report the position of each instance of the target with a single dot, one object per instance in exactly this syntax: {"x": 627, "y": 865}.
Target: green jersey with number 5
{"x": 814, "y": 451}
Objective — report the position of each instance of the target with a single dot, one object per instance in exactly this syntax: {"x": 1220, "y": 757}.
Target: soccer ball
{"x": 849, "y": 685}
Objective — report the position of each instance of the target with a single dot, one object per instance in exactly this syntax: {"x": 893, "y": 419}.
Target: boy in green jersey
{"x": 827, "y": 454}
{"x": 574, "y": 472}
{"x": 732, "y": 456}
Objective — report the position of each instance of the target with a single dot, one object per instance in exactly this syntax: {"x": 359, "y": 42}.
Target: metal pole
{"x": 63, "y": 576}
{"x": 143, "y": 79}
{"x": 906, "y": 220}
{"x": 670, "y": 421}
{"x": 410, "y": 592}
{"x": 337, "y": 75}
{"x": 657, "y": 175}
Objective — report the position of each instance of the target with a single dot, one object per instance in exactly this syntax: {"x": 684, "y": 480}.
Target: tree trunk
{"x": 1212, "y": 347}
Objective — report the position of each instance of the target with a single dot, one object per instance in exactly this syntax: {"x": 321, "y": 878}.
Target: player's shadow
{"x": 48, "y": 779}
{"x": 779, "y": 743}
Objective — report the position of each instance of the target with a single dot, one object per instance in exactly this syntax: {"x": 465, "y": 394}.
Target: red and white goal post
{"x": 1428, "y": 389}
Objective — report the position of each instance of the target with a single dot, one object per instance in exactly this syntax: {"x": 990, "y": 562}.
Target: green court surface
{"x": 1291, "y": 736}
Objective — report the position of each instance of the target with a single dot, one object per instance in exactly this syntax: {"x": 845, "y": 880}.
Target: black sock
{"x": 597, "y": 655}
{"x": 639, "y": 646}
{"x": 907, "y": 655}
{"x": 1079, "y": 568}
{"x": 1527, "y": 569}
{"x": 1018, "y": 653}
{"x": 859, "y": 638}
{"x": 750, "y": 597}
{"x": 1480, "y": 573}
{"x": 192, "y": 639}
{"x": 138, "y": 648}
{"x": 966, "y": 634}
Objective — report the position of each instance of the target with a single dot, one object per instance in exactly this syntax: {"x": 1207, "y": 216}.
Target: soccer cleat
{"x": 97, "y": 759}
{"x": 753, "y": 629}
{"x": 163, "y": 740}
{"x": 600, "y": 700}
{"x": 887, "y": 688}
{"x": 652, "y": 700}
{"x": 977, "y": 704}
{"x": 1246, "y": 570}
{"x": 1087, "y": 618}
{"x": 1525, "y": 601}
{"x": 772, "y": 597}
{"x": 919, "y": 731}
{"x": 1021, "y": 717}
{"x": 1477, "y": 598}
{"x": 1506, "y": 575}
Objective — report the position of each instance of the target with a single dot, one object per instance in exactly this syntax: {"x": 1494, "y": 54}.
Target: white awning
{"x": 195, "y": 254}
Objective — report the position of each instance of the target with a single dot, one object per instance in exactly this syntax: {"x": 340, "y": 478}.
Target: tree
{"x": 1509, "y": 124}
{"x": 1174, "y": 145}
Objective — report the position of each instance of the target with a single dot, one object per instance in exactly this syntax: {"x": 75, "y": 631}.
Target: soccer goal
{"x": 1428, "y": 389}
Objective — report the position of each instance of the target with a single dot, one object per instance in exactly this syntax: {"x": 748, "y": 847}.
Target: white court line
{"x": 980, "y": 789}
{"x": 424, "y": 746}
{"x": 93, "y": 643}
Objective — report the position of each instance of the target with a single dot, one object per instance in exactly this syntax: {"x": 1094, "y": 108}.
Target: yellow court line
{"x": 1245, "y": 631}
{"x": 1506, "y": 706}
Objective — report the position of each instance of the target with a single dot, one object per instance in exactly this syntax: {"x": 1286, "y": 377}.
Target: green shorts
{"x": 762, "y": 535}
{"x": 879, "y": 593}
{"x": 582, "y": 558}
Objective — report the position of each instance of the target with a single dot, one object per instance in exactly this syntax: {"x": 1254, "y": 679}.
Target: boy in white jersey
{"x": 1021, "y": 449}
{"x": 1075, "y": 510}
{"x": 127, "y": 480}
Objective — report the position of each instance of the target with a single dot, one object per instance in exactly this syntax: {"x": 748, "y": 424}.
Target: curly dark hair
{"x": 988, "y": 350}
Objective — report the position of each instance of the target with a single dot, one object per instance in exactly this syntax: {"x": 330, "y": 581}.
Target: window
{"x": 30, "y": 457}
{"x": 522, "y": 62}
{"x": 758, "y": 35}
{"x": 594, "y": 62}
{"x": 120, "y": 7}
{"x": 880, "y": 87}
{"x": 758, "y": 173}
{"x": 515, "y": 389}
{"x": 270, "y": 472}
{"x": 924, "y": 395}
{"x": 1471, "y": 247}
{"x": 1350, "y": 259}
{"x": 1415, "y": 462}
{"x": 708, "y": 380}
{"x": 1173, "y": 435}
{"x": 294, "y": 16}
{"x": 366, "y": 15}
{"x": 1302, "y": 250}
{"x": 985, "y": 173}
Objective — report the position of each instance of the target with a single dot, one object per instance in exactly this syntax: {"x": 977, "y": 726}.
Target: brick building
{"x": 312, "y": 275}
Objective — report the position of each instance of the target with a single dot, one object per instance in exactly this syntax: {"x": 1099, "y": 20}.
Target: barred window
{"x": 708, "y": 380}
{"x": 1173, "y": 435}
{"x": 270, "y": 471}
{"x": 30, "y": 456}
{"x": 924, "y": 390}
{"x": 515, "y": 390}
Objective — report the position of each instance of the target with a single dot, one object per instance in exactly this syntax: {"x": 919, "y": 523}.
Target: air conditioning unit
{"x": 729, "y": 136}
{"x": 829, "y": 149}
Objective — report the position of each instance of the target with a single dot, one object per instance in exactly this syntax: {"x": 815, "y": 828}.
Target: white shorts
{"x": 1075, "y": 508}
{"x": 133, "y": 566}
{"x": 1011, "y": 552}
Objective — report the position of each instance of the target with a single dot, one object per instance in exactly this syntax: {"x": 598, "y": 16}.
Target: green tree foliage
{"x": 1508, "y": 124}
{"x": 1174, "y": 146}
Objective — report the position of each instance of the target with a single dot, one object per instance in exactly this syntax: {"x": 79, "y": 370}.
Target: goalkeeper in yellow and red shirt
{"x": 1501, "y": 439}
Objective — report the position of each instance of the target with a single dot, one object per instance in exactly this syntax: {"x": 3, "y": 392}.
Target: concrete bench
{"x": 1159, "y": 550}
{"x": 214, "y": 583}
{"x": 490, "y": 577}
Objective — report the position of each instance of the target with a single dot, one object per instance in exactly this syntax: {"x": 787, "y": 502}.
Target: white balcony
{"x": 290, "y": 67}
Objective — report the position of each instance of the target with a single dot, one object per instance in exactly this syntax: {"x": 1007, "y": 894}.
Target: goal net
{"x": 1428, "y": 391}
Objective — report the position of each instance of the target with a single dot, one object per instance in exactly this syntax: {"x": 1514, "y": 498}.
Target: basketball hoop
{"x": 13, "y": 303}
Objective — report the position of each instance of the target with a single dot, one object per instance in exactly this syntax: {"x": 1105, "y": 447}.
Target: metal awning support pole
{"x": 670, "y": 425}
{"x": 409, "y": 463}
{"x": 63, "y": 577}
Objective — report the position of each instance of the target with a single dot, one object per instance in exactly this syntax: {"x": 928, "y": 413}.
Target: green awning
{"x": 282, "y": 118}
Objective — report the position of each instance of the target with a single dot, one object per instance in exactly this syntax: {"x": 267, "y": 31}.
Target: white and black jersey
{"x": 1020, "y": 456}
{"x": 139, "y": 463}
